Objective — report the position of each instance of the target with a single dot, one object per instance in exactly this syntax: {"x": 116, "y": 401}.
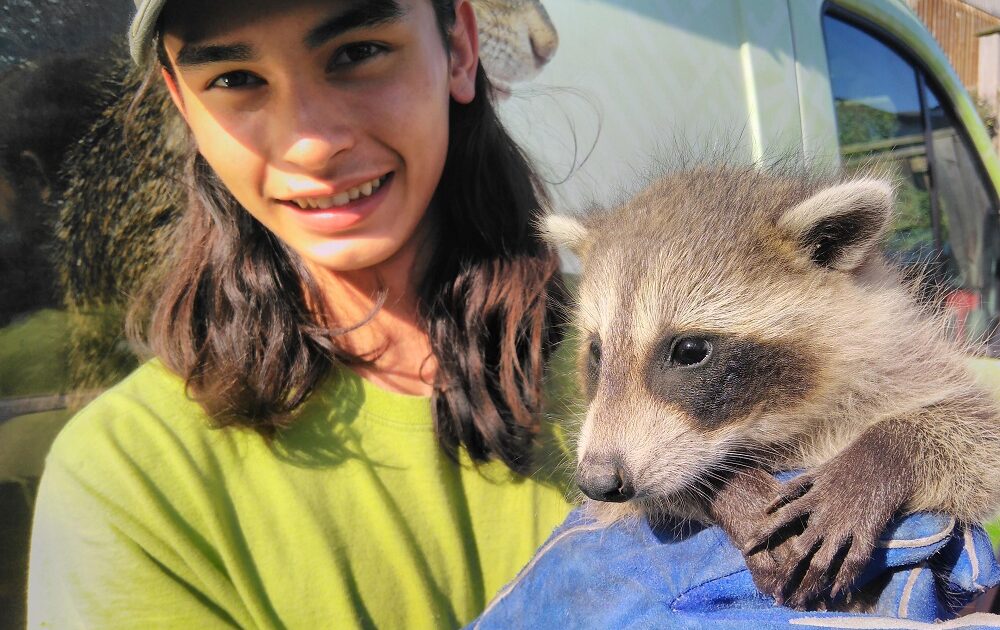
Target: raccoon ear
{"x": 561, "y": 230}
{"x": 840, "y": 225}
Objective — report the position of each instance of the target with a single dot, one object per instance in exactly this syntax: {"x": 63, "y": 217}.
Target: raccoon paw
{"x": 765, "y": 569}
{"x": 738, "y": 506}
{"x": 829, "y": 522}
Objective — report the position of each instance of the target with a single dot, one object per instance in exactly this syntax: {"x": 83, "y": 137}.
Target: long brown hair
{"x": 237, "y": 315}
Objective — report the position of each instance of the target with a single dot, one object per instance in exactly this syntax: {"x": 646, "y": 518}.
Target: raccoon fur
{"x": 735, "y": 322}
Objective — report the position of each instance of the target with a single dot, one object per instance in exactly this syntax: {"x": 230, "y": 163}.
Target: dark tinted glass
{"x": 874, "y": 89}
{"x": 945, "y": 228}
{"x": 876, "y": 95}
{"x": 968, "y": 224}
{"x": 53, "y": 55}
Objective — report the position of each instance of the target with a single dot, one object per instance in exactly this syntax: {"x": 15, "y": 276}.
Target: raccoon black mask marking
{"x": 713, "y": 378}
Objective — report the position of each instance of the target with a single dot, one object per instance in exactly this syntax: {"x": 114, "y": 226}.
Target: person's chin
{"x": 347, "y": 255}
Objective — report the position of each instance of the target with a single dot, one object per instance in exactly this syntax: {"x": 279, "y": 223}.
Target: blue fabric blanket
{"x": 631, "y": 575}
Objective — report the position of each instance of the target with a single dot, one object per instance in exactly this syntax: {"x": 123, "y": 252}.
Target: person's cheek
{"x": 235, "y": 149}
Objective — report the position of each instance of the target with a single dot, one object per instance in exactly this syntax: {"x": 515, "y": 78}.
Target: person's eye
{"x": 235, "y": 80}
{"x": 356, "y": 53}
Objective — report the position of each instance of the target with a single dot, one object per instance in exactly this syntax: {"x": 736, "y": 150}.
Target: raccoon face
{"x": 665, "y": 417}
{"x": 698, "y": 327}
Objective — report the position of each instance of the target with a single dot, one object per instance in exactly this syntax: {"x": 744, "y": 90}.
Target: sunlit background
{"x": 601, "y": 92}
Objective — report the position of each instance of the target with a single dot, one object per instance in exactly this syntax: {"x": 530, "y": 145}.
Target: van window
{"x": 875, "y": 90}
{"x": 890, "y": 118}
{"x": 968, "y": 218}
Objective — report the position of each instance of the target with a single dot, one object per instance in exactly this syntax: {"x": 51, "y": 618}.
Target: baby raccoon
{"x": 737, "y": 322}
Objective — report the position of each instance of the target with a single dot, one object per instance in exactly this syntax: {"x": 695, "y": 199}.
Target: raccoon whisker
{"x": 701, "y": 494}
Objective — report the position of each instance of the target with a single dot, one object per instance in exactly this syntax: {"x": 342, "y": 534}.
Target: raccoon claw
{"x": 853, "y": 564}
{"x": 791, "y": 491}
{"x": 737, "y": 507}
{"x": 765, "y": 571}
{"x": 819, "y": 530}
{"x": 792, "y": 507}
{"x": 815, "y": 559}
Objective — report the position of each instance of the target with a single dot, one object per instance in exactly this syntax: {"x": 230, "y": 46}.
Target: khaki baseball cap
{"x": 143, "y": 27}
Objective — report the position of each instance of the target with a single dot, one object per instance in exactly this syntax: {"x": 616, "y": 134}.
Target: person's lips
{"x": 343, "y": 198}
{"x": 328, "y": 214}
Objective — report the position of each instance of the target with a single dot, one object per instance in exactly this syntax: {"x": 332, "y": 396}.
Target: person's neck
{"x": 393, "y": 337}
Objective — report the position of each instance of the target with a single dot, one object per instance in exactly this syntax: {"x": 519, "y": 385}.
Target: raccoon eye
{"x": 594, "y": 357}
{"x": 690, "y": 351}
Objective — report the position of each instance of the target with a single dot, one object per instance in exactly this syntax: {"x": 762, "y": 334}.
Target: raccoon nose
{"x": 606, "y": 480}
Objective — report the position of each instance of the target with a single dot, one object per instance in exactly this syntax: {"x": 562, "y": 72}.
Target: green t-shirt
{"x": 354, "y": 516}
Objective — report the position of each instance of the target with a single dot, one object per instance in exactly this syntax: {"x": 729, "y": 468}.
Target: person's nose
{"x": 317, "y": 130}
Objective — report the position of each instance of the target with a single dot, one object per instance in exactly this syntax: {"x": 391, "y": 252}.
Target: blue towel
{"x": 631, "y": 575}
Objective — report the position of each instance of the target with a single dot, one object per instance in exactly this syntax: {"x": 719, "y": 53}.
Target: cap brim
{"x": 141, "y": 31}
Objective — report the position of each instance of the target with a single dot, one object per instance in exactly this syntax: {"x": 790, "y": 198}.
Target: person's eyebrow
{"x": 362, "y": 14}
{"x": 200, "y": 54}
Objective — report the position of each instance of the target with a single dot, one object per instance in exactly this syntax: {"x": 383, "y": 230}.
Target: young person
{"x": 343, "y": 423}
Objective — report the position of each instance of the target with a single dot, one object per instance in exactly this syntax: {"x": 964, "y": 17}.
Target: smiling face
{"x": 326, "y": 119}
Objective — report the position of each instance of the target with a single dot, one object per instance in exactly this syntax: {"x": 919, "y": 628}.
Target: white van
{"x": 824, "y": 82}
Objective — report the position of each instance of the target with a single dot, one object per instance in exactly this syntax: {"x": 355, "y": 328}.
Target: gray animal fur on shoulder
{"x": 735, "y": 252}
{"x": 123, "y": 199}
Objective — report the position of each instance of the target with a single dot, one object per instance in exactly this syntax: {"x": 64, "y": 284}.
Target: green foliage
{"x": 99, "y": 355}
{"x": 912, "y": 229}
{"x": 33, "y": 355}
{"x": 986, "y": 113}
{"x": 858, "y": 123}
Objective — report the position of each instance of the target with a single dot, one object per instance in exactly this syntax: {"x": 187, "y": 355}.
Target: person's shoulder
{"x": 987, "y": 373}
{"x": 150, "y": 393}
{"x": 147, "y": 411}
{"x": 150, "y": 382}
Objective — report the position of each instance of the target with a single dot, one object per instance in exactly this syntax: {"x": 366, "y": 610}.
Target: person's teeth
{"x": 340, "y": 199}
